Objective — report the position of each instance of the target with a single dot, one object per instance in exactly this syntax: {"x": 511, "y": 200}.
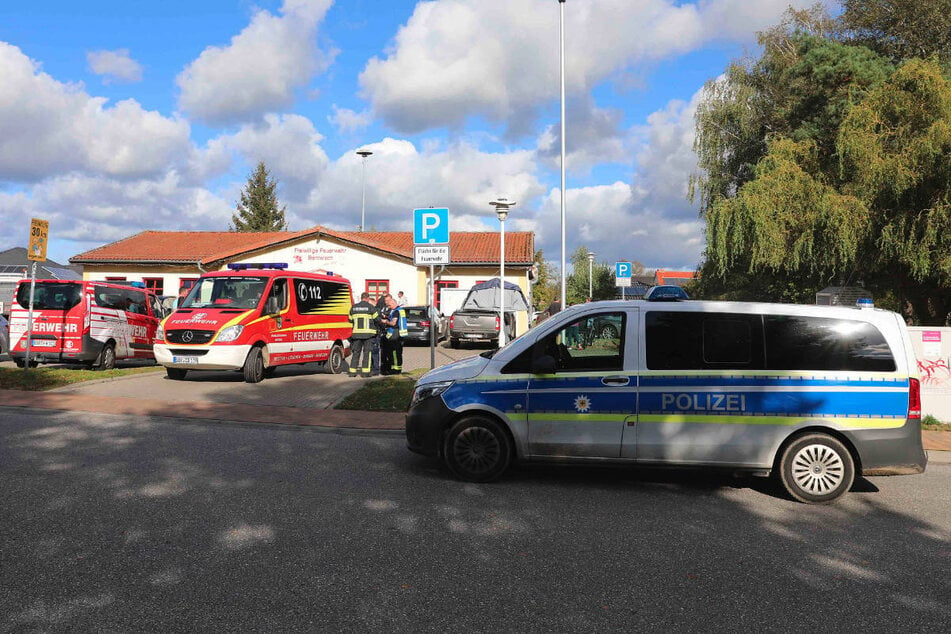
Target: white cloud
{"x": 260, "y": 70}
{"x": 456, "y": 59}
{"x": 400, "y": 178}
{"x": 594, "y": 137}
{"x": 346, "y": 120}
{"x": 290, "y": 147}
{"x": 115, "y": 66}
{"x": 100, "y": 210}
{"x": 47, "y": 128}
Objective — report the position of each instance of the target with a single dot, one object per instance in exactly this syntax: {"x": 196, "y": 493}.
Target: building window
{"x": 438, "y": 290}
{"x": 155, "y": 284}
{"x": 377, "y": 289}
{"x": 187, "y": 282}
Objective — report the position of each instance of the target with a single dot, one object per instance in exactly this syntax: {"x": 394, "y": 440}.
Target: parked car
{"x": 4, "y": 335}
{"x": 478, "y": 319}
{"x": 419, "y": 320}
{"x": 665, "y": 293}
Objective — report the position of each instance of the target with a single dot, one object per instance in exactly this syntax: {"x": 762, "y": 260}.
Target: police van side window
{"x": 590, "y": 344}
{"x": 703, "y": 341}
{"x": 822, "y": 343}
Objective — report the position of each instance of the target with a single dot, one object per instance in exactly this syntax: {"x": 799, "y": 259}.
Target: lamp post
{"x": 363, "y": 206}
{"x": 590, "y": 267}
{"x": 561, "y": 6}
{"x": 502, "y": 211}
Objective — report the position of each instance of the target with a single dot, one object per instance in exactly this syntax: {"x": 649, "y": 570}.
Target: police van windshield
{"x": 50, "y": 295}
{"x": 226, "y": 292}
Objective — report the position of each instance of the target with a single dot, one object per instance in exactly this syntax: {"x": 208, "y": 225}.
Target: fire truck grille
{"x": 189, "y": 336}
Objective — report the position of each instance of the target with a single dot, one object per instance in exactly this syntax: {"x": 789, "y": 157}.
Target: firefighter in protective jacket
{"x": 364, "y": 318}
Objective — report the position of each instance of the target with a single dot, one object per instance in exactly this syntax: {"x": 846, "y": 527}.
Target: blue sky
{"x": 134, "y": 115}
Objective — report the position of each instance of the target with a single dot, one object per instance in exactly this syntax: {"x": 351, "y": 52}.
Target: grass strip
{"x": 47, "y": 378}
{"x": 383, "y": 394}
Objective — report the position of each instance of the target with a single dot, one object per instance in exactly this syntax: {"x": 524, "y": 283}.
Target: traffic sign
{"x": 39, "y": 238}
{"x": 430, "y": 254}
{"x": 622, "y": 273}
{"x": 431, "y": 226}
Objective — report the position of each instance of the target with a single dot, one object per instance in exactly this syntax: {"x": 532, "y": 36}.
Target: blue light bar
{"x": 244, "y": 266}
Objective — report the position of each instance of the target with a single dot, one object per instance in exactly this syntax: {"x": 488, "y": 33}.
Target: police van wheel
{"x": 335, "y": 361}
{"x": 176, "y": 374}
{"x": 107, "y": 358}
{"x": 254, "y": 366}
{"x": 816, "y": 469}
{"x": 477, "y": 449}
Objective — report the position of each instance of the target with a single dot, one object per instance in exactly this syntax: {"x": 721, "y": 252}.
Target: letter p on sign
{"x": 431, "y": 226}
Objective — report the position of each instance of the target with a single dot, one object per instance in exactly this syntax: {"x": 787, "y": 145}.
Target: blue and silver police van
{"x": 812, "y": 395}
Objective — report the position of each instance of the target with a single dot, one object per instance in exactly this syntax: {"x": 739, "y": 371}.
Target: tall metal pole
{"x": 432, "y": 317}
{"x": 561, "y": 4}
{"x": 29, "y": 318}
{"x": 502, "y": 211}
{"x": 502, "y": 282}
{"x": 590, "y": 283}
{"x": 363, "y": 205}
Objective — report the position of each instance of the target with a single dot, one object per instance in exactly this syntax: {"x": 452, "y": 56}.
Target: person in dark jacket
{"x": 391, "y": 344}
{"x": 364, "y": 317}
{"x": 375, "y": 343}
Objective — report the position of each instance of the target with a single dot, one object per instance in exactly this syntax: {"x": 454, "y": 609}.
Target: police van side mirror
{"x": 272, "y": 306}
{"x": 544, "y": 364}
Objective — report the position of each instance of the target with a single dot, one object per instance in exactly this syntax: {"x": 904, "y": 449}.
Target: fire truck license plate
{"x": 185, "y": 360}
{"x": 42, "y": 343}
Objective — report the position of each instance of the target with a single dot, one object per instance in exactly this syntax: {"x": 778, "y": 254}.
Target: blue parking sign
{"x": 431, "y": 226}
{"x": 622, "y": 269}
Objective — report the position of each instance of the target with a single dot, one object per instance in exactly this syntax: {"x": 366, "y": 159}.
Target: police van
{"x": 812, "y": 395}
{"x": 256, "y": 317}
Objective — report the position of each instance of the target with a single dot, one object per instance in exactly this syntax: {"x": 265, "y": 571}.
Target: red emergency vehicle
{"x": 87, "y": 322}
{"x": 255, "y": 317}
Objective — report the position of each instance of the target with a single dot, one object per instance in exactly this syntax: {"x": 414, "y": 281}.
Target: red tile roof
{"x": 209, "y": 247}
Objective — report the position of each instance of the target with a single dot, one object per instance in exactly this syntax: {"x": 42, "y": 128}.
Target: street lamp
{"x": 363, "y": 206}
{"x": 502, "y": 211}
{"x": 590, "y": 265}
{"x": 561, "y": 6}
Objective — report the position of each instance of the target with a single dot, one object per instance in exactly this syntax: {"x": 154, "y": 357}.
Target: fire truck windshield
{"x": 226, "y": 292}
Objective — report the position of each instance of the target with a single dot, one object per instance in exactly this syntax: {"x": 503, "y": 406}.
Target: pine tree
{"x": 258, "y": 209}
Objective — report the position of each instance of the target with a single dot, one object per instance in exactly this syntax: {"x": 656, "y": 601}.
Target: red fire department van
{"x": 255, "y": 317}
{"x": 87, "y": 322}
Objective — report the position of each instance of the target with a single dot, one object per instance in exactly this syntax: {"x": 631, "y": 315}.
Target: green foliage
{"x": 546, "y": 287}
{"x": 825, "y": 163}
{"x": 577, "y": 283}
{"x": 258, "y": 209}
{"x": 899, "y": 29}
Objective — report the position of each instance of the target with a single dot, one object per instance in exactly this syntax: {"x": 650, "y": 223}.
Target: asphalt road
{"x": 156, "y": 524}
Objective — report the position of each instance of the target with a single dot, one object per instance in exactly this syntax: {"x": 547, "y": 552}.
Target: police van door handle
{"x": 616, "y": 381}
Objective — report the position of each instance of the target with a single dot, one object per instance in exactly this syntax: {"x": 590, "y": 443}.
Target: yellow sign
{"x": 39, "y": 234}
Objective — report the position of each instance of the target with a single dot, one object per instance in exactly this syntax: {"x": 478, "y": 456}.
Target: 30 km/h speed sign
{"x": 39, "y": 237}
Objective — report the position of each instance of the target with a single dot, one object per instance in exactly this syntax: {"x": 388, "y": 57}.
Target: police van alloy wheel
{"x": 107, "y": 358}
{"x": 817, "y": 469}
{"x": 336, "y": 359}
{"x": 254, "y": 366}
{"x": 477, "y": 449}
{"x": 176, "y": 374}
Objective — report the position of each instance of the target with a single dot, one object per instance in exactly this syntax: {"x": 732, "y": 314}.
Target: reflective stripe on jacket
{"x": 363, "y": 315}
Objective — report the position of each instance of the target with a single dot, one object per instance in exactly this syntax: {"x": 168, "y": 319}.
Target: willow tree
{"x": 896, "y": 158}
{"x": 258, "y": 209}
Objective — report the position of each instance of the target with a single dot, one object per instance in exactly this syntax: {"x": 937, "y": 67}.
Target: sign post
{"x": 622, "y": 276}
{"x": 431, "y": 247}
{"x": 39, "y": 238}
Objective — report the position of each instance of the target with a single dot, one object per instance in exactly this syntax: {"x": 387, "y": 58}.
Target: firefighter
{"x": 380, "y": 331}
{"x": 363, "y": 316}
{"x": 391, "y": 345}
